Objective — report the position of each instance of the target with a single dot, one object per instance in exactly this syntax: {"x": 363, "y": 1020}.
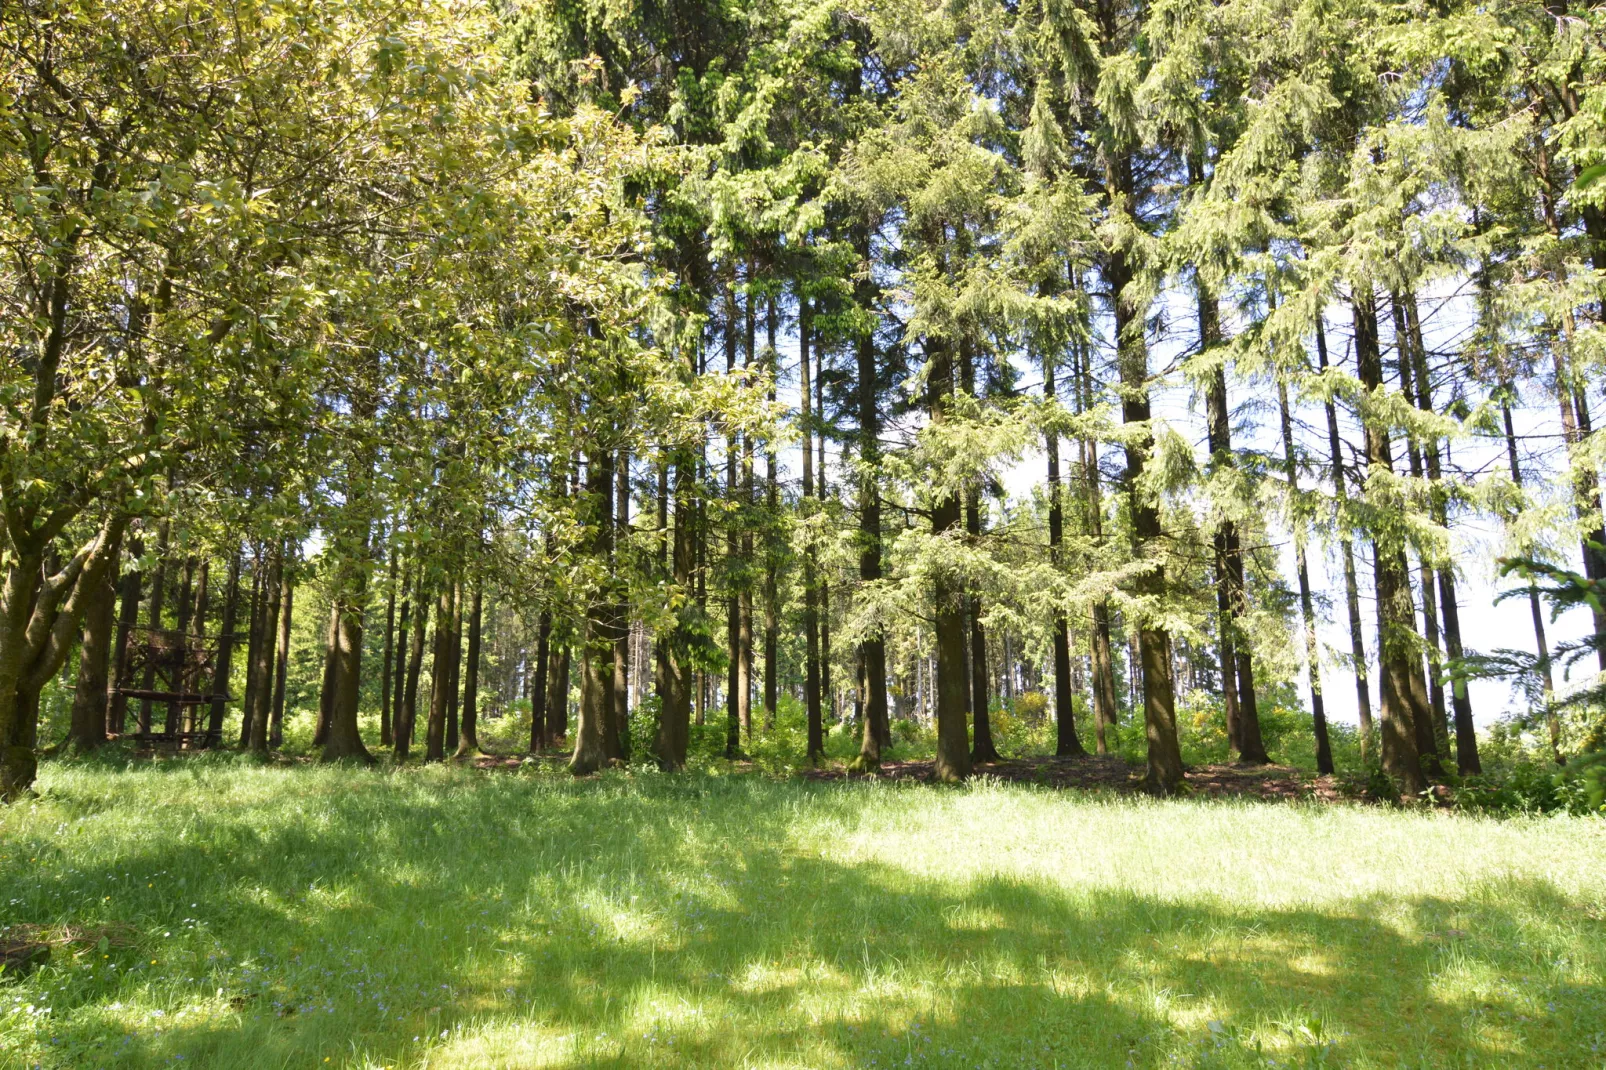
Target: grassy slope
{"x": 447, "y": 918}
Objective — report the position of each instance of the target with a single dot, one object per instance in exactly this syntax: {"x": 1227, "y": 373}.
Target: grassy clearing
{"x": 448, "y": 918}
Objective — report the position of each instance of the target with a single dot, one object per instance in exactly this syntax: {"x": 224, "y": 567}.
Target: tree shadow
{"x": 491, "y": 920}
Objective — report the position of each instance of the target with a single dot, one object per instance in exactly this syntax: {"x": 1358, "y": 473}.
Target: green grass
{"x": 312, "y": 917}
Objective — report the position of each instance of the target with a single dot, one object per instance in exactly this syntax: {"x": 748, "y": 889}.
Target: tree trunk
{"x": 1066, "y": 743}
{"x": 386, "y": 739}
{"x": 454, "y": 667}
{"x": 153, "y": 618}
{"x": 89, "y": 706}
{"x": 1403, "y": 705}
{"x": 538, "y": 688}
{"x": 468, "y": 746}
{"x": 674, "y": 718}
{"x": 226, "y": 643}
{"x": 1352, "y": 596}
{"x": 1466, "y": 738}
{"x": 1160, "y": 726}
{"x": 287, "y": 588}
{"x": 1307, "y": 608}
{"x": 1243, "y": 714}
{"x": 261, "y": 666}
{"x": 620, "y": 736}
{"x": 953, "y": 744}
{"x": 127, "y": 618}
{"x": 440, "y": 677}
{"x": 407, "y": 721}
{"x": 326, "y": 692}
{"x": 869, "y": 748}
{"x": 557, "y": 703}
{"x": 253, "y": 644}
{"x": 591, "y": 750}
{"x": 1547, "y": 681}
{"x": 1101, "y": 657}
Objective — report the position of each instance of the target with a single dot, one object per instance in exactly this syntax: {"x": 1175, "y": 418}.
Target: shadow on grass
{"x": 677, "y": 922}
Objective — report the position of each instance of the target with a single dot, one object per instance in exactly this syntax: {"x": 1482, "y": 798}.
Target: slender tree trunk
{"x": 953, "y": 749}
{"x": 440, "y": 677}
{"x": 1547, "y": 681}
{"x": 326, "y": 693}
{"x": 1403, "y": 705}
{"x": 877, "y": 733}
{"x": 1466, "y": 738}
{"x": 454, "y": 668}
{"x": 1352, "y": 596}
{"x": 127, "y": 619}
{"x": 386, "y": 739}
{"x": 261, "y": 667}
{"x": 1160, "y": 725}
{"x": 620, "y": 735}
{"x": 1101, "y": 656}
{"x": 1307, "y": 609}
{"x": 254, "y": 641}
{"x": 1066, "y": 743}
{"x": 772, "y": 501}
{"x": 673, "y": 723}
{"x": 89, "y": 706}
{"x": 226, "y": 642}
{"x": 870, "y": 749}
{"x": 153, "y": 619}
{"x": 287, "y": 588}
{"x": 982, "y": 747}
{"x": 557, "y": 703}
{"x": 591, "y": 749}
{"x": 408, "y": 719}
{"x": 181, "y": 674}
{"x": 468, "y": 746}
{"x": 538, "y": 689}
{"x": 1433, "y": 737}
{"x": 192, "y": 714}
{"x": 1243, "y": 714}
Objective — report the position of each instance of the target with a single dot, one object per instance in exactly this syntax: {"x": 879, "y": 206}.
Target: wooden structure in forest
{"x": 176, "y": 671}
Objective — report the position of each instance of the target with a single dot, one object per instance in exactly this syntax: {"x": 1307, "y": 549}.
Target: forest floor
{"x": 208, "y": 912}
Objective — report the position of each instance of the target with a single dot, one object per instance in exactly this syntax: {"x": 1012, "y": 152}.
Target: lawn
{"x": 213, "y": 913}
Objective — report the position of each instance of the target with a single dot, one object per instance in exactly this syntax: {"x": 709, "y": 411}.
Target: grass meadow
{"x": 213, "y": 913}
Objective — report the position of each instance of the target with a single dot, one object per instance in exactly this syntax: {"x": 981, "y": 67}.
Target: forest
{"x": 808, "y": 533}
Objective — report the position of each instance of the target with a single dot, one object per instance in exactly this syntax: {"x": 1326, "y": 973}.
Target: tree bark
{"x": 1159, "y": 709}
{"x": 1352, "y": 596}
{"x": 468, "y": 746}
{"x": 1307, "y": 609}
{"x": 226, "y": 642}
{"x": 326, "y": 692}
{"x": 454, "y": 668}
{"x": 386, "y": 738}
{"x": 261, "y": 667}
{"x": 538, "y": 689}
{"x": 287, "y": 588}
{"x": 591, "y": 751}
{"x": 89, "y": 707}
{"x": 1243, "y": 714}
{"x": 674, "y": 718}
{"x": 440, "y": 677}
{"x": 253, "y": 644}
{"x": 620, "y": 735}
{"x": 407, "y": 720}
{"x": 953, "y": 743}
{"x": 1066, "y": 742}
{"x": 127, "y": 618}
{"x": 1547, "y": 680}
{"x": 1403, "y": 705}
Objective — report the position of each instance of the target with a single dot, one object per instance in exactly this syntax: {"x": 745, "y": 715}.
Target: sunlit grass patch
{"x": 452, "y": 918}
